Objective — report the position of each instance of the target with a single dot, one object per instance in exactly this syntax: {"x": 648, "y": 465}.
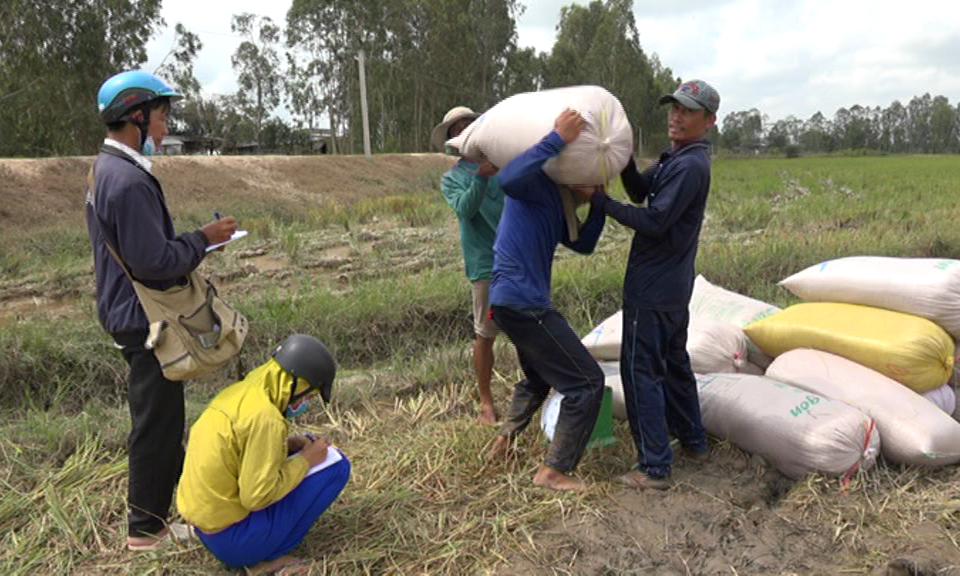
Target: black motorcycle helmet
{"x": 303, "y": 356}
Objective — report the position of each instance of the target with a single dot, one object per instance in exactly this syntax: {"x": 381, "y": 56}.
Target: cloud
{"x": 794, "y": 58}
{"x": 783, "y": 58}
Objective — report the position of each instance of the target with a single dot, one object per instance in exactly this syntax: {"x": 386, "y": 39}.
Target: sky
{"x": 782, "y": 57}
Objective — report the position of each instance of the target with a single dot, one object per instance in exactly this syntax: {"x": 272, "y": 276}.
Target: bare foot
{"x": 282, "y": 565}
{"x": 547, "y": 477}
{"x": 488, "y": 415}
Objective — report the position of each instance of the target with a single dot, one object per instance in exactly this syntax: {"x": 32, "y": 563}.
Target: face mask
{"x": 149, "y": 148}
{"x": 290, "y": 413}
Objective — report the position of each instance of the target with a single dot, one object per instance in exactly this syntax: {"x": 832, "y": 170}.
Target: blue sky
{"x": 781, "y": 57}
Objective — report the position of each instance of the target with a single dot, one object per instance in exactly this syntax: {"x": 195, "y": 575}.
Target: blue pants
{"x": 277, "y": 529}
{"x": 659, "y": 387}
{"x": 552, "y": 356}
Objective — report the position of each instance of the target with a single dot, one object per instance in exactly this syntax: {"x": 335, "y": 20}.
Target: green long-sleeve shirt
{"x": 478, "y": 202}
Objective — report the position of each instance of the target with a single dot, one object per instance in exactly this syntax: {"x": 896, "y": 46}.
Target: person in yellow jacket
{"x": 251, "y": 491}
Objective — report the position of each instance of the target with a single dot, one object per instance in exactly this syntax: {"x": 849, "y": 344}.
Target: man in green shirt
{"x": 474, "y": 193}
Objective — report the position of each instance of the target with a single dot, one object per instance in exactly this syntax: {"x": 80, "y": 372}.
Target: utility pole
{"x": 363, "y": 107}
{"x": 639, "y": 153}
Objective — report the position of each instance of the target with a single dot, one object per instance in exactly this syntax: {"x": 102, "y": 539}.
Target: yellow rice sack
{"x": 909, "y": 349}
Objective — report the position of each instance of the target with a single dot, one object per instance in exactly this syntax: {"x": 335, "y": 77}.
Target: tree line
{"x": 926, "y": 125}
{"x": 421, "y": 57}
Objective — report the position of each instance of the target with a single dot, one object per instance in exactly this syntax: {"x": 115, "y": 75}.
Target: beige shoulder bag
{"x": 192, "y": 330}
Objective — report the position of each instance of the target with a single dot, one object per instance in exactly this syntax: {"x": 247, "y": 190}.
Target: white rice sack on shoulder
{"x": 926, "y": 287}
{"x": 515, "y": 124}
{"x": 913, "y": 429}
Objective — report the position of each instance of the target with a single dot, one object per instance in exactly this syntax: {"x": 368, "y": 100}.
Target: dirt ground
{"x": 728, "y": 515}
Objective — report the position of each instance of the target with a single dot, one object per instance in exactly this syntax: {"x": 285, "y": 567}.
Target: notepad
{"x": 236, "y": 236}
{"x": 333, "y": 456}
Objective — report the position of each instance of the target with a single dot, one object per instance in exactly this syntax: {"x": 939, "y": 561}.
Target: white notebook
{"x": 236, "y": 236}
{"x": 333, "y": 456}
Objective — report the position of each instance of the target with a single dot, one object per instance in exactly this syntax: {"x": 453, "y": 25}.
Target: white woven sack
{"x": 710, "y": 302}
{"x": 713, "y": 346}
{"x": 926, "y": 287}
{"x": 603, "y": 342}
{"x": 943, "y": 398}
{"x": 716, "y": 347}
{"x": 914, "y": 431}
{"x": 795, "y": 431}
{"x": 515, "y": 124}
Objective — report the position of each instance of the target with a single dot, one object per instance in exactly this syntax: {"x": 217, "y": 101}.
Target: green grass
{"x": 396, "y": 315}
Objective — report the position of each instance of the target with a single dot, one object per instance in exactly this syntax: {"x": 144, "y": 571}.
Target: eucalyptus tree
{"x": 943, "y": 126}
{"x": 257, "y": 63}
{"x": 422, "y": 57}
{"x": 918, "y": 123}
{"x": 893, "y": 132}
{"x": 743, "y": 131}
{"x": 54, "y": 55}
{"x": 177, "y": 68}
{"x": 599, "y": 44}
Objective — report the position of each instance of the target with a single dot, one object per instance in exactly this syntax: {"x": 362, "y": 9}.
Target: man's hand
{"x": 569, "y": 124}
{"x": 487, "y": 169}
{"x": 220, "y": 230}
{"x": 316, "y": 451}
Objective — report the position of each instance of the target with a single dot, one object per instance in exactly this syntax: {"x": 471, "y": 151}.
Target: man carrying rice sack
{"x": 550, "y": 352}
{"x": 658, "y": 382}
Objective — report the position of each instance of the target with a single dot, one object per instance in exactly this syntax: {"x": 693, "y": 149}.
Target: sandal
{"x": 175, "y": 531}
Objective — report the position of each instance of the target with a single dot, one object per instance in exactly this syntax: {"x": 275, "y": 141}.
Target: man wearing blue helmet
{"x": 127, "y": 213}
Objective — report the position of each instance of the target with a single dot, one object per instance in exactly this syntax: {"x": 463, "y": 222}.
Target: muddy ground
{"x": 729, "y": 515}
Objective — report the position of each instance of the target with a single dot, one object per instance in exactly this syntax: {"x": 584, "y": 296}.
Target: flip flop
{"x": 175, "y": 531}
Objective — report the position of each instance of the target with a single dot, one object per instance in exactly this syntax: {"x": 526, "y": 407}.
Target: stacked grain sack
{"x": 879, "y": 328}
{"x": 716, "y": 341}
{"x": 713, "y": 346}
{"x": 710, "y": 302}
{"x": 515, "y": 124}
{"x": 795, "y": 431}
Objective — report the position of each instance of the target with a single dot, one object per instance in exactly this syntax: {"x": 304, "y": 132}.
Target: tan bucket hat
{"x": 439, "y": 135}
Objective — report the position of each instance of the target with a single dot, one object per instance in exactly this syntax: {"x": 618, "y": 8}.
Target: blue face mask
{"x": 290, "y": 413}
{"x": 149, "y": 148}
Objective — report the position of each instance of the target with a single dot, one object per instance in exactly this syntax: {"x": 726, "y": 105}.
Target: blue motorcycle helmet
{"x": 127, "y": 92}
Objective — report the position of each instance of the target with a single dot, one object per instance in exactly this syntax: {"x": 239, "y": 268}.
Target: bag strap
{"x": 92, "y": 185}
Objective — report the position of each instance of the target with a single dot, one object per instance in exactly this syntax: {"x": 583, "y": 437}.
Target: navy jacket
{"x": 661, "y": 266}
{"x": 131, "y": 214}
{"x": 530, "y": 228}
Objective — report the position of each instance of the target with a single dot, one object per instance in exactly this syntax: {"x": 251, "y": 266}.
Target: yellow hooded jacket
{"x": 236, "y": 461}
